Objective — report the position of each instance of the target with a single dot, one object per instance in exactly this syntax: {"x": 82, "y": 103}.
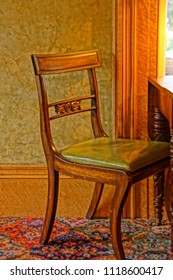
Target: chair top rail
{"x": 52, "y": 63}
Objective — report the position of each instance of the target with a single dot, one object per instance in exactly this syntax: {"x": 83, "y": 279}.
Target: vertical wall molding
{"x": 125, "y": 41}
{"x": 136, "y": 48}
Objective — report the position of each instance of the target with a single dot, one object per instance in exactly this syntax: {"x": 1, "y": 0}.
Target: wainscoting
{"x": 23, "y": 192}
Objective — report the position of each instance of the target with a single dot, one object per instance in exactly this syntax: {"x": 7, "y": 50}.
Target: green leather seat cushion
{"x": 123, "y": 154}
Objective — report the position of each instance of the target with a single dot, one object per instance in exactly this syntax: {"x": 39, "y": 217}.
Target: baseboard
{"x": 24, "y": 171}
{"x": 14, "y": 177}
{"x": 23, "y": 191}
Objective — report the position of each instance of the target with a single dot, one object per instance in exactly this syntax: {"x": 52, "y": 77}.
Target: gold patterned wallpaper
{"x": 46, "y": 26}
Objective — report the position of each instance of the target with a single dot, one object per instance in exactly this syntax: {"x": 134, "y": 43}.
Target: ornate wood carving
{"x": 169, "y": 189}
{"x": 161, "y": 126}
{"x": 67, "y": 107}
{"x": 158, "y": 197}
{"x": 161, "y": 90}
{"x": 171, "y": 151}
{"x": 161, "y": 132}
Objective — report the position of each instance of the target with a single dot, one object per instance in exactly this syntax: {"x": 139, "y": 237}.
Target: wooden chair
{"x": 118, "y": 162}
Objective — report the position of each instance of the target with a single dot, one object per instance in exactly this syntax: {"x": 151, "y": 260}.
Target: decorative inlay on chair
{"x": 67, "y": 107}
{"x": 71, "y": 106}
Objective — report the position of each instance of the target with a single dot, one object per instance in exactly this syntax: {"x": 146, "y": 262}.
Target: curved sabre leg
{"x": 119, "y": 199}
{"x": 53, "y": 184}
{"x": 95, "y": 200}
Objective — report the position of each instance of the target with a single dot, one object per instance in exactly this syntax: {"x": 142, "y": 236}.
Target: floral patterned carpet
{"x": 82, "y": 239}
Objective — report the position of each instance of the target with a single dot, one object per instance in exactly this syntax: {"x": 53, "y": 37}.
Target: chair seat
{"x": 124, "y": 154}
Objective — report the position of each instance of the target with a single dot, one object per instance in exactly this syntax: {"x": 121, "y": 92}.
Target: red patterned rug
{"x": 82, "y": 239}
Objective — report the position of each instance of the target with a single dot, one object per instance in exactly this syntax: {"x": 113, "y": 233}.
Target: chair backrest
{"x": 52, "y": 64}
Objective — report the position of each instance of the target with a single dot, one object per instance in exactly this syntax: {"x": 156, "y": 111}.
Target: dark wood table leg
{"x": 160, "y": 127}
{"x": 171, "y": 187}
{"x": 161, "y": 133}
{"x": 158, "y": 197}
{"x": 168, "y": 192}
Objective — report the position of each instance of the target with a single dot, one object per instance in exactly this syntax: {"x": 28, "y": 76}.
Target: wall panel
{"x": 136, "y": 48}
{"x": 23, "y": 190}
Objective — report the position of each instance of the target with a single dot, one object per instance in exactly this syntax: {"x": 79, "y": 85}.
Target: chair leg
{"x": 95, "y": 200}
{"x": 119, "y": 199}
{"x": 53, "y": 184}
{"x": 158, "y": 196}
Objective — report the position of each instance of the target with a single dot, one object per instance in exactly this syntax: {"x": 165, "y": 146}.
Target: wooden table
{"x": 160, "y": 127}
